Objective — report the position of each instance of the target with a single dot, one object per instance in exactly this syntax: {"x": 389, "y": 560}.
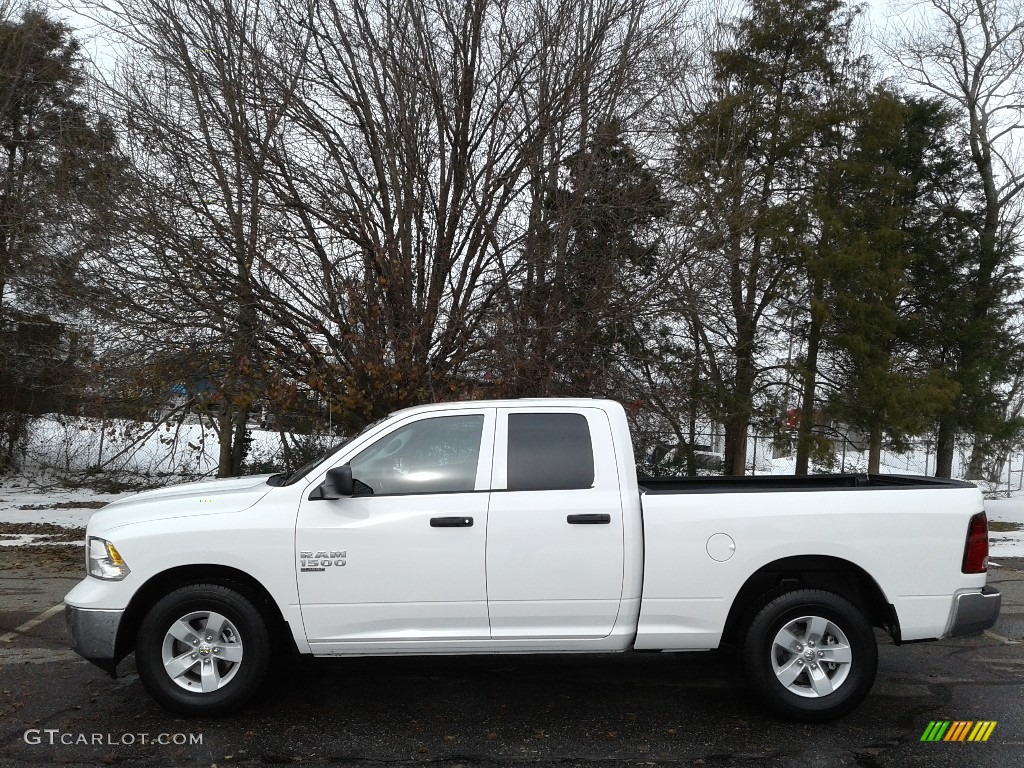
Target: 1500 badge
{"x": 320, "y": 561}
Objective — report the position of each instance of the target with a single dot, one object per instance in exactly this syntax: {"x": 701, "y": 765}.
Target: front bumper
{"x": 975, "y": 611}
{"x": 94, "y": 635}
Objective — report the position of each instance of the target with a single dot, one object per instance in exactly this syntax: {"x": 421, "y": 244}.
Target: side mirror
{"x": 338, "y": 483}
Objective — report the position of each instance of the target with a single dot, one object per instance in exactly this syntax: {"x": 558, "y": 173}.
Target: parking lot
{"x": 689, "y": 709}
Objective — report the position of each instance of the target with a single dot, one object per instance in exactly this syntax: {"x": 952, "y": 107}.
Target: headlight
{"x": 104, "y": 561}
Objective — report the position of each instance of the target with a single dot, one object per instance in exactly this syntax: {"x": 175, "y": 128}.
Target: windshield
{"x": 285, "y": 478}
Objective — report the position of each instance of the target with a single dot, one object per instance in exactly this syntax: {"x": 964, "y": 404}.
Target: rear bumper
{"x": 975, "y": 611}
{"x": 94, "y": 635}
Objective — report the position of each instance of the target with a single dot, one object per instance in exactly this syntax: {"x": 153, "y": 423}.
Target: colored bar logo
{"x": 958, "y": 730}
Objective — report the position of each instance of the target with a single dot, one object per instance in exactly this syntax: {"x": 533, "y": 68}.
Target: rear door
{"x": 555, "y": 525}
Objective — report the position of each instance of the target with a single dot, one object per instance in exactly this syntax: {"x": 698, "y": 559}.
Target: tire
{"x": 194, "y": 673}
{"x": 810, "y": 655}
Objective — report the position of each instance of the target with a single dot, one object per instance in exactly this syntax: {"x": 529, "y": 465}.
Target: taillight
{"x": 976, "y": 549}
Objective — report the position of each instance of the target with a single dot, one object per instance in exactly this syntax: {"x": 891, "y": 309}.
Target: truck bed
{"x": 765, "y": 483}
{"x": 704, "y": 537}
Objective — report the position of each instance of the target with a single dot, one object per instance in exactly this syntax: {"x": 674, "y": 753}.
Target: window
{"x": 549, "y": 451}
{"x": 438, "y": 455}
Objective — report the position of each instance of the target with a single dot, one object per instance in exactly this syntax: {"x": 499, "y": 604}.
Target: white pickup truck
{"x": 519, "y": 526}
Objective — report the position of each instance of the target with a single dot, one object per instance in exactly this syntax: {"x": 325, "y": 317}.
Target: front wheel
{"x": 810, "y": 655}
{"x": 203, "y": 649}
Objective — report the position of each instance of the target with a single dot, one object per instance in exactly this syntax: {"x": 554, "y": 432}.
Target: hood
{"x": 231, "y": 494}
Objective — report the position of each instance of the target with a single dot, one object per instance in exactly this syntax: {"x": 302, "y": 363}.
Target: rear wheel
{"x": 203, "y": 650}
{"x": 810, "y": 655}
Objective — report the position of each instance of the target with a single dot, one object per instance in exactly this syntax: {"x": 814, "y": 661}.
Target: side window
{"x": 438, "y": 455}
{"x": 549, "y": 451}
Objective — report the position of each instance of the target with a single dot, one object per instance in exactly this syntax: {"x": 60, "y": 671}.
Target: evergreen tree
{"x": 894, "y": 213}
{"x": 59, "y": 172}
{"x": 58, "y": 165}
{"x": 603, "y": 224}
{"x": 746, "y": 160}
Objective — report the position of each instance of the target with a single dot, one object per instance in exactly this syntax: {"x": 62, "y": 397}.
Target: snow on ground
{"x": 21, "y": 539}
{"x": 72, "y": 445}
{"x": 113, "y": 453}
{"x": 66, "y": 507}
{"x": 1006, "y": 527}
{"x": 61, "y": 506}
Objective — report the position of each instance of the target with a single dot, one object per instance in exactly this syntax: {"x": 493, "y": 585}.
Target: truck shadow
{"x": 493, "y": 703}
{"x": 484, "y": 709}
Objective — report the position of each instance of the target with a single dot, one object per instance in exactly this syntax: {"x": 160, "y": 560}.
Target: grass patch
{"x": 1001, "y": 527}
{"x": 48, "y": 558}
{"x": 67, "y": 505}
{"x": 50, "y": 531}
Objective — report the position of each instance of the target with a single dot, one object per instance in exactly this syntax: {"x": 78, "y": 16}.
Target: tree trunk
{"x": 691, "y": 435}
{"x": 805, "y": 427}
{"x": 224, "y": 435}
{"x": 875, "y": 450}
{"x": 979, "y": 453}
{"x": 996, "y": 465}
{"x": 737, "y": 423}
{"x": 945, "y": 443}
{"x": 972, "y": 358}
{"x": 238, "y": 447}
{"x": 286, "y": 451}
{"x": 736, "y": 428}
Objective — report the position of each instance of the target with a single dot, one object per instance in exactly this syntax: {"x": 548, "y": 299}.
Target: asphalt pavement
{"x": 637, "y": 709}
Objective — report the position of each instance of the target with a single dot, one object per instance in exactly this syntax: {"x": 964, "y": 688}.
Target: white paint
{"x": 1000, "y": 638}
{"x": 12, "y": 656}
{"x": 31, "y": 623}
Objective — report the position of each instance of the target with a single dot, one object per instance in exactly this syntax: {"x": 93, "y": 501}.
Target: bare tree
{"x": 971, "y": 52}
{"x": 332, "y": 197}
{"x": 198, "y": 127}
{"x": 420, "y": 132}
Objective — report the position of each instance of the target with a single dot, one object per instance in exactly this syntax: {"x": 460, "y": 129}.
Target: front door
{"x": 401, "y": 563}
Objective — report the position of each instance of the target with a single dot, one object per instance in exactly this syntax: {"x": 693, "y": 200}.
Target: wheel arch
{"x": 182, "y": 576}
{"x": 832, "y": 574}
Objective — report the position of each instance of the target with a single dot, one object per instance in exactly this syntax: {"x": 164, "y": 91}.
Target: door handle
{"x": 588, "y": 519}
{"x": 451, "y": 522}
